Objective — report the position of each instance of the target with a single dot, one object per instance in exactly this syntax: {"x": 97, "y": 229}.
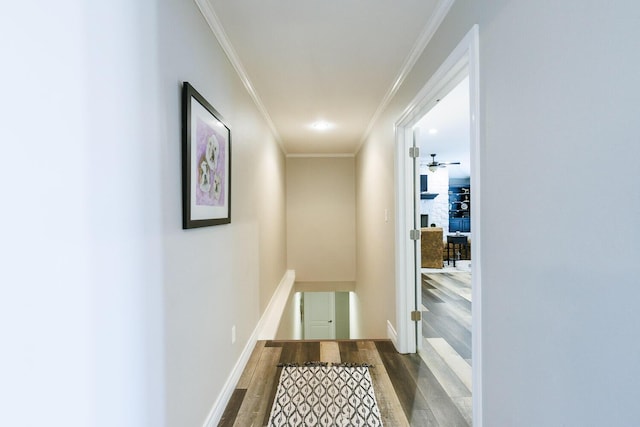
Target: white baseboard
{"x": 392, "y": 334}
{"x": 265, "y": 330}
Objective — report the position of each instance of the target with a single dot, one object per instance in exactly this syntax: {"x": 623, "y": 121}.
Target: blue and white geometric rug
{"x": 325, "y": 396}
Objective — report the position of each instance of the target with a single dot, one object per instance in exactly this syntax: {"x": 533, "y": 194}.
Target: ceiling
{"x": 451, "y": 139}
{"x": 337, "y": 61}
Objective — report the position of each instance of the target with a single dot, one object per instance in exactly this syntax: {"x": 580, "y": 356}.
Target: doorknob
{"x": 330, "y": 321}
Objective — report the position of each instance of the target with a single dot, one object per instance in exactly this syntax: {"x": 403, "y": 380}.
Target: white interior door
{"x": 416, "y": 279}
{"x": 319, "y": 315}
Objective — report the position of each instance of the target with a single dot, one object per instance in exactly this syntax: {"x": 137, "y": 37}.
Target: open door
{"x": 416, "y": 278}
{"x": 406, "y": 335}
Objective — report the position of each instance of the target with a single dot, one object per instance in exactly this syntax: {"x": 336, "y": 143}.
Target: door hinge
{"x": 414, "y": 234}
{"x": 416, "y": 316}
{"x": 414, "y": 152}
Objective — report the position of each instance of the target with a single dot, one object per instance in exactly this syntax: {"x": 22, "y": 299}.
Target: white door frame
{"x": 464, "y": 59}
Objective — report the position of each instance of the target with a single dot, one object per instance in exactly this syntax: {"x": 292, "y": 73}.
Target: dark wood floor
{"x": 408, "y": 392}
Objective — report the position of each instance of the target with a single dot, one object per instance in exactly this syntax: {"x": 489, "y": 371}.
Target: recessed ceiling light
{"x": 433, "y": 131}
{"x": 321, "y": 125}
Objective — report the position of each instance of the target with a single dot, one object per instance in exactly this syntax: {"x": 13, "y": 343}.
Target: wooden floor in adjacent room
{"x": 408, "y": 392}
{"x": 446, "y": 331}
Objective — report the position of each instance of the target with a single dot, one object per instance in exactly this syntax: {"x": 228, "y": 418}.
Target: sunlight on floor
{"x": 461, "y": 265}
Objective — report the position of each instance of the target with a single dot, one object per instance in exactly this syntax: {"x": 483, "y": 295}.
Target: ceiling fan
{"x": 433, "y": 166}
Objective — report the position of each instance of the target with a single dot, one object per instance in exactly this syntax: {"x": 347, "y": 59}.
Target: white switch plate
{"x": 386, "y": 215}
{"x": 233, "y": 334}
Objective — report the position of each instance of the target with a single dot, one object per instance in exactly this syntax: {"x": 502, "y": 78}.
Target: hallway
{"x": 407, "y": 391}
{"x": 114, "y": 315}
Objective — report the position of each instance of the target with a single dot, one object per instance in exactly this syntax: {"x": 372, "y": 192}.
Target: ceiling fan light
{"x": 433, "y": 168}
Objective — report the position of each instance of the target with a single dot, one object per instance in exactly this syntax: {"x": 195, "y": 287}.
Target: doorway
{"x": 445, "y": 299}
{"x": 319, "y": 315}
{"x": 314, "y": 315}
{"x": 461, "y": 63}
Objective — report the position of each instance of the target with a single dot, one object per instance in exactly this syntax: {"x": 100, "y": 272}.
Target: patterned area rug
{"x": 340, "y": 395}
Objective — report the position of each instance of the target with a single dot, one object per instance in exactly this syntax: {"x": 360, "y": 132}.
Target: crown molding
{"x": 318, "y": 155}
{"x": 218, "y": 31}
{"x": 440, "y": 12}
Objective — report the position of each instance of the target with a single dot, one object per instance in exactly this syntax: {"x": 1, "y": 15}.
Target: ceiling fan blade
{"x": 449, "y": 163}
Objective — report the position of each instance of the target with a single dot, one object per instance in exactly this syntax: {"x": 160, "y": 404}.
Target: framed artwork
{"x": 206, "y": 163}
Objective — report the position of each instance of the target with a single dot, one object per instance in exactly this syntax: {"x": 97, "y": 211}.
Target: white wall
{"x": 374, "y": 298}
{"x": 110, "y": 314}
{"x": 561, "y": 317}
{"x": 559, "y": 93}
{"x": 81, "y": 303}
{"x": 438, "y": 207}
{"x": 290, "y": 327}
{"x": 321, "y": 218}
{"x": 216, "y": 277}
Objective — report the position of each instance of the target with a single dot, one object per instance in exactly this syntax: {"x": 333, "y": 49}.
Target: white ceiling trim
{"x": 320, "y": 155}
{"x": 219, "y": 33}
{"x": 440, "y": 12}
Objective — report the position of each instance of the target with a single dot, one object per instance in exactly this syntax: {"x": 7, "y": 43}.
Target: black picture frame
{"x": 206, "y": 162}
